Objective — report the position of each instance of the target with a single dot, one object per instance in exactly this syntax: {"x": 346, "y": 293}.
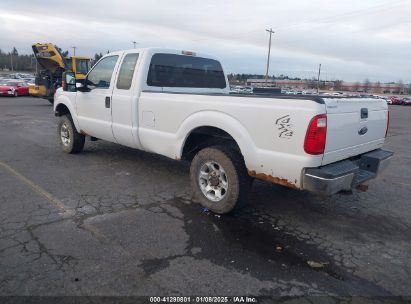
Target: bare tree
{"x": 367, "y": 85}
{"x": 311, "y": 83}
{"x": 401, "y": 87}
{"x": 357, "y": 86}
{"x": 377, "y": 87}
{"x": 338, "y": 85}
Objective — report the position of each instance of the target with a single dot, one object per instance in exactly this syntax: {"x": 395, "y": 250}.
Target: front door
{"x": 94, "y": 106}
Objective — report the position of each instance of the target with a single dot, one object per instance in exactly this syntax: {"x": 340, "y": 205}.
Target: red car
{"x": 13, "y": 88}
{"x": 396, "y": 100}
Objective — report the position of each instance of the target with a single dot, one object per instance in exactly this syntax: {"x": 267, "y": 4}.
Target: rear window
{"x": 171, "y": 70}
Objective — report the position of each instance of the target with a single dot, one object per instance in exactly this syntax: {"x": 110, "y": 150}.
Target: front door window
{"x": 100, "y": 76}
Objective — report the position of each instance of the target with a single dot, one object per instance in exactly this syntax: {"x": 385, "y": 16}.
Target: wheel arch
{"x": 63, "y": 107}
{"x": 202, "y": 126}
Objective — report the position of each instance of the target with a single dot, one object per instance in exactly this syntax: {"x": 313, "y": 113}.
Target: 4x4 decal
{"x": 285, "y": 127}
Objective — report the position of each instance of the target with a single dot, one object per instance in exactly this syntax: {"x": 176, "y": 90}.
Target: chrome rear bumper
{"x": 346, "y": 174}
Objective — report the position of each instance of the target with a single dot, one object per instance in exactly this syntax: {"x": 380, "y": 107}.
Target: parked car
{"x": 177, "y": 104}
{"x": 385, "y": 98}
{"x": 407, "y": 101}
{"x": 396, "y": 100}
{"x": 29, "y": 80}
{"x": 14, "y": 88}
{"x": 21, "y": 76}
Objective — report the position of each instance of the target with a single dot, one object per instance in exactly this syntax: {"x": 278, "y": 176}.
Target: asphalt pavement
{"x": 113, "y": 221}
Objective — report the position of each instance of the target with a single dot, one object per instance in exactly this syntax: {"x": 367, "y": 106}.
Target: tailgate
{"x": 354, "y": 126}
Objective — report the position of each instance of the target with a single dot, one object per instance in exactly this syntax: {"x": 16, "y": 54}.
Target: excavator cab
{"x": 53, "y": 64}
{"x": 78, "y": 65}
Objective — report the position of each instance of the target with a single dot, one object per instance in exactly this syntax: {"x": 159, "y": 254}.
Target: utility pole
{"x": 134, "y": 43}
{"x": 74, "y": 50}
{"x": 269, "y": 51}
{"x": 11, "y": 61}
{"x": 318, "y": 79}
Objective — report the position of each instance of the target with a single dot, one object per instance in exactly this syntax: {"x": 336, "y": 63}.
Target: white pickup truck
{"x": 177, "y": 104}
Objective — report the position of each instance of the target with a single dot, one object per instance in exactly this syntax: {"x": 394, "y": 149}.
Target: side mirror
{"x": 69, "y": 82}
{"x": 81, "y": 86}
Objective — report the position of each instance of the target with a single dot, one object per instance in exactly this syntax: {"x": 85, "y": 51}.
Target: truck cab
{"x": 107, "y": 103}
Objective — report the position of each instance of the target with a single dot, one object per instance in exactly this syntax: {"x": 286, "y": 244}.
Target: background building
{"x": 338, "y": 85}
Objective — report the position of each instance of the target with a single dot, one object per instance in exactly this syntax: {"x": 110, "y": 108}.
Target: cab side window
{"x": 125, "y": 76}
{"x": 100, "y": 76}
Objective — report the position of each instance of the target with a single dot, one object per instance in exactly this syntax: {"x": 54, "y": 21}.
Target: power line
{"x": 334, "y": 18}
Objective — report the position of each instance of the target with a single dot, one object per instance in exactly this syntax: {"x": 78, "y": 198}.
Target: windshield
{"x": 82, "y": 66}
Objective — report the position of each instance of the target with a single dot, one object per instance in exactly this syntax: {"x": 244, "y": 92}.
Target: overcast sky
{"x": 353, "y": 39}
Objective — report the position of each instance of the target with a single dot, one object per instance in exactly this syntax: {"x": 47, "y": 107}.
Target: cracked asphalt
{"x": 114, "y": 221}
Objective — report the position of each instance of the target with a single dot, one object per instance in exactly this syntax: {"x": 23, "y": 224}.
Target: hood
{"x": 6, "y": 88}
{"x": 48, "y": 57}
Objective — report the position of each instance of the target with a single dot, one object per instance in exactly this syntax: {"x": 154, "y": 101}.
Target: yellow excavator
{"x": 53, "y": 64}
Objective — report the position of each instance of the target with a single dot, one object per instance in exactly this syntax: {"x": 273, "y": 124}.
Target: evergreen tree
{"x": 63, "y": 53}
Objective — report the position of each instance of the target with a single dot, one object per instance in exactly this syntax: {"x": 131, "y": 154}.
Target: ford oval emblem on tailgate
{"x": 363, "y": 130}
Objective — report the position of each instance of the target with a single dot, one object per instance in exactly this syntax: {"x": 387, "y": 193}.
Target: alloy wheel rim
{"x": 65, "y": 134}
{"x": 213, "y": 181}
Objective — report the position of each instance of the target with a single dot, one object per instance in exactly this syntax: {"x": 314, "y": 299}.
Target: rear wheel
{"x": 219, "y": 179}
{"x": 71, "y": 141}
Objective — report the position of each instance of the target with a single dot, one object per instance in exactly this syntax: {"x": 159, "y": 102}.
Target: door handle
{"x": 108, "y": 101}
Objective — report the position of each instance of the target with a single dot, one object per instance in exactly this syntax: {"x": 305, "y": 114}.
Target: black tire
{"x": 238, "y": 181}
{"x": 75, "y": 141}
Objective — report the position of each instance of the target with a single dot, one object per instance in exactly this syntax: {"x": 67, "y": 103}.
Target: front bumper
{"x": 346, "y": 174}
{"x": 7, "y": 93}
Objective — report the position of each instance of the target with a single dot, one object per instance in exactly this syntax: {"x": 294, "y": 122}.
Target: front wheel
{"x": 71, "y": 141}
{"x": 219, "y": 179}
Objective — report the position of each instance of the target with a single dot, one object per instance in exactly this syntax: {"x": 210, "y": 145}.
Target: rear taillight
{"x": 316, "y": 135}
{"x": 388, "y": 123}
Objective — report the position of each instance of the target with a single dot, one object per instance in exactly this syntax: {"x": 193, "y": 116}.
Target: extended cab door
{"x": 94, "y": 106}
{"x": 125, "y": 102}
